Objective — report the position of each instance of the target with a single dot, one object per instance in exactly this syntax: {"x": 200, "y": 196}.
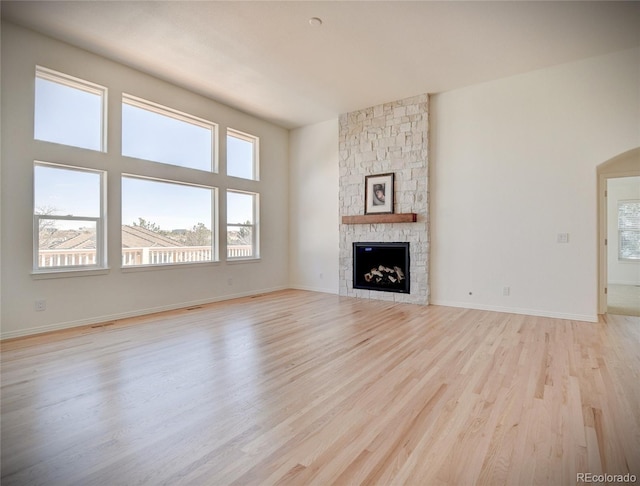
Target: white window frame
{"x": 255, "y": 233}
{"x": 177, "y": 115}
{"x": 101, "y": 241}
{"x": 621, "y": 229}
{"x": 80, "y": 84}
{"x": 215, "y": 256}
{"x": 255, "y": 141}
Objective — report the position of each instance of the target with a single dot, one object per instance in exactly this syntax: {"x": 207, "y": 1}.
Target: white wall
{"x": 620, "y": 271}
{"x": 513, "y": 164}
{"x": 313, "y": 212}
{"x": 88, "y": 299}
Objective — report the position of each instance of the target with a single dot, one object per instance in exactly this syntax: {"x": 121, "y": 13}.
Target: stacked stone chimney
{"x": 392, "y": 137}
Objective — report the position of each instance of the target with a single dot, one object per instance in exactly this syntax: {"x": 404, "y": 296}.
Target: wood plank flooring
{"x": 297, "y": 388}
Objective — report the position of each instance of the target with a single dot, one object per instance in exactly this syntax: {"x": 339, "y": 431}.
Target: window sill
{"x": 235, "y": 261}
{"x": 170, "y": 266}
{"x": 626, "y": 261}
{"x": 68, "y": 273}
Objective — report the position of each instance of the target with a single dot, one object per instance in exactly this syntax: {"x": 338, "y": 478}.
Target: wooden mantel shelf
{"x": 380, "y": 218}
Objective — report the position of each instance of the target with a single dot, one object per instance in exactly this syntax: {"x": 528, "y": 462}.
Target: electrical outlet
{"x": 40, "y": 305}
{"x": 229, "y": 281}
{"x": 563, "y": 237}
{"x": 506, "y": 291}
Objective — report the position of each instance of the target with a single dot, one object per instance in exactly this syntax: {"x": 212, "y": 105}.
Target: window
{"x": 68, "y": 218}
{"x": 159, "y": 134}
{"x": 242, "y": 155}
{"x": 69, "y": 111}
{"x": 165, "y": 222}
{"x": 242, "y": 227}
{"x": 629, "y": 230}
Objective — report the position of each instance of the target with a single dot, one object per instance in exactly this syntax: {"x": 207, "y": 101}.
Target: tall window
{"x": 160, "y": 134}
{"x": 629, "y": 230}
{"x": 68, "y": 218}
{"x": 242, "y": 227}
{"x": 166, "y": 222}
{"x": 242, "y": 155}
{"x": 69, "y": 110}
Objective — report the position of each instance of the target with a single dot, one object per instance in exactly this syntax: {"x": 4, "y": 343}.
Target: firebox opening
{"x": 381, "y": 266}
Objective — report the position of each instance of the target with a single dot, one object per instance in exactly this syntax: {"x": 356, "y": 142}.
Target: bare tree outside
{"x": 46, "y": 227}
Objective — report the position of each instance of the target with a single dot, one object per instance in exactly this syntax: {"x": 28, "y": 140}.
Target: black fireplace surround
{"x": 381, "y": 266}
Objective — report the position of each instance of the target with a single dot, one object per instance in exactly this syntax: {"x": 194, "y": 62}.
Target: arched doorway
{"x": 622, "y": 166}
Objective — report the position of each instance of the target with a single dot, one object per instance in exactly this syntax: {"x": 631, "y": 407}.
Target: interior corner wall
{"x": 313, "y": 207}
{"x": 89, "y": 299}
{"x": 513, "y": 165}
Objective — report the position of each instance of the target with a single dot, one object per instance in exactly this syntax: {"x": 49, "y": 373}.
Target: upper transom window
{"x": 160, "y": 134}
{"x": 69, "y": 110}
{"x": 242, "y": 155}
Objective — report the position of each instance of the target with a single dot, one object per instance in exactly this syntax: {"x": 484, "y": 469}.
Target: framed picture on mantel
{"x": 378, "y": 194}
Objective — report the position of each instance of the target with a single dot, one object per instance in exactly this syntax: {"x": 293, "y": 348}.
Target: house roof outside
{"x": 137, "y": 237}
{"x": 132, "y": 237}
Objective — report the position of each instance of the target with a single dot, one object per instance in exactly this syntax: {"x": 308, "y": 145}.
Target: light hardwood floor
{"x": 306, "y": 388}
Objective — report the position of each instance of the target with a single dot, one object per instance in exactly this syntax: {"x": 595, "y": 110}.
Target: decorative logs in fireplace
{"x": 385, "y": 275}
{"x": 381, "y": 266}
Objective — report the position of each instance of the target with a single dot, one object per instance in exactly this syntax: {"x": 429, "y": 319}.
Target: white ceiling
{"x": 264, "y": 58}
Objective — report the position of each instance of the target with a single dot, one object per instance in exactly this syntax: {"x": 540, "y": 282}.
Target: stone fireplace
{"x": 388, "y": 138}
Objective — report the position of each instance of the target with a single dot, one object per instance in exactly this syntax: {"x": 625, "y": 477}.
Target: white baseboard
{"x": 124, "y": 315}
{"x": 516, "y": 310}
